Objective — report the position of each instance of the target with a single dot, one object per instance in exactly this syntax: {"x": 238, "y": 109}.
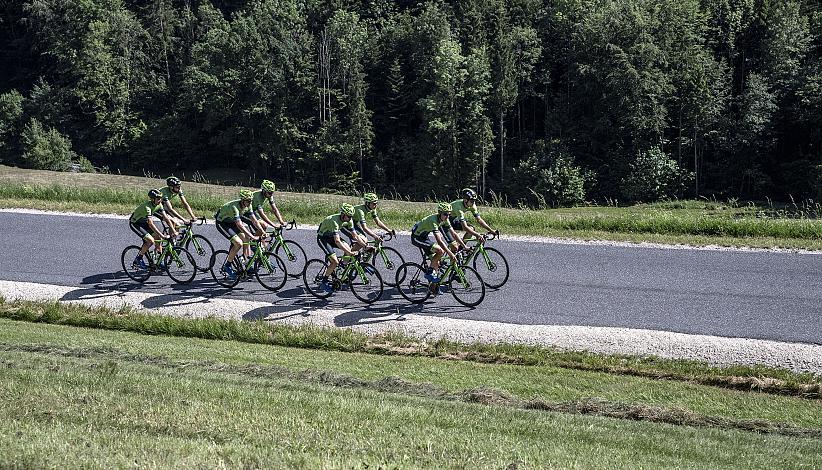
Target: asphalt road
{"x": 762, "y": 295}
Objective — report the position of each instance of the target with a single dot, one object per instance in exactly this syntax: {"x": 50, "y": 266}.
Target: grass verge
{"x": 82, "y": 397}
{"x": 688, "y": 222}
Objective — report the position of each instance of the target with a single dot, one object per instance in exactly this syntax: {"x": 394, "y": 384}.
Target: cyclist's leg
{"x": 426, "y": 243}
{"x": 247, "y": 243}
{"x": 326, "y": 244}
{"x": 230, "y": 232}
{"x": 143, "y": 231}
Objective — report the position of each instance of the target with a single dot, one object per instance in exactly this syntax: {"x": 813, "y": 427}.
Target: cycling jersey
{"x": 333, "y": 224}
{"x": 231, "y": 211}
{"x": 168, "y": 194}
{"x": 360, "y": 212}
{"x": 430, "y": 224}
{"x": 458, "y": 210}
{"x": 259, "y": 200}
{"x": 144, "y": 210}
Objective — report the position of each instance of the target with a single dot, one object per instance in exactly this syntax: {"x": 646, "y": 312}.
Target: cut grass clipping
{"x": 760, "y": 379}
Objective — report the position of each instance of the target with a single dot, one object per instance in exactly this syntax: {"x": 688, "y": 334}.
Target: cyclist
{"x": 436, "y": 224}
{"x": 468, "y": 203}
{"x": 328, "y": 238}
{"x": 231, "y": 219}
{"x": 173, "y": 190}
{"x": 260, "y": 197}
{"x": 369, "y": 206}
{"x": 140, "y": 223}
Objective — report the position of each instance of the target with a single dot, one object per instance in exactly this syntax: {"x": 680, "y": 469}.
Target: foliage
{"x": 46, "y": 149}
{"x": 548, "y": 177}
{"x": 653, "y": 176}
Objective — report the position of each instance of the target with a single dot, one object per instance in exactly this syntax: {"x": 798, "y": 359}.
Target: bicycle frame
{"x": 188, "y": 235}
{"x": 353, "y": 264}
{"x": 278, "y": 240}
{"x": 477, "y": 249}
{"x": 379, "y": 248}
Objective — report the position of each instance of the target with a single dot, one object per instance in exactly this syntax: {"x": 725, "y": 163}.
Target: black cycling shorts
{"x": 424, "y": 241}
{"x": 141, "y": 228}
{"x": 227, "y": 229}
{"x": 326, "y": 243}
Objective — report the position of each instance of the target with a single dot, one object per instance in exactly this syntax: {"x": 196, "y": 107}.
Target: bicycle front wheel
{"x": 218, "y": 263}
{"x": 270, "y": 272}
{"x": 387, "y": 261}
{"x": 493, "y": 268}
{"x": 132, "y": 267}
{"x": 466, "y": 286}
{"x": 312, "y": 278}
{"x": 294, "y": 256}
{"x": 202, "y": 251}
{"x": 368, "y": 285}
{"x": 410, "y": 281}
{"x": 180, "y": 266}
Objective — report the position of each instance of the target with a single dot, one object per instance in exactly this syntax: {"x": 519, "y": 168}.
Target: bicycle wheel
{"x": 312, "y": 276}
{"x": 494, "y": 269}
{"x": 388, "y": 264}
{"x": 202, "y": 251}
{"x": 367, "y": 286}
{"x": 295, "y": 261}
{"x": 410, "y": 281}
{"x": 270, "y": 272}
{"x": 133, "y": 270}
{"x": 469, "y": 290}
{"x": 180, "y": 267}
{"x": 217, "y": 262}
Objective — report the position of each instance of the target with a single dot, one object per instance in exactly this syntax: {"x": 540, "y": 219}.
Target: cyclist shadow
{"x": 107, "y": 285}
{"x": 197, "y": 292}
{"x": 392, "y": 307}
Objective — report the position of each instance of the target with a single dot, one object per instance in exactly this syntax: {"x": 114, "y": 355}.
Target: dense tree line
{"x": 544, "y": 102}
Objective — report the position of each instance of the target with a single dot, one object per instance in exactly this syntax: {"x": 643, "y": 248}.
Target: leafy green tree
{"x": 653, "y": 176}
{"x": 548, "y": 177}
{"x": 45, "y": 149}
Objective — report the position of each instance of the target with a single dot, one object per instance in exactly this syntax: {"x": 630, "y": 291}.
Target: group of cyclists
{"x": 244, "y": 220}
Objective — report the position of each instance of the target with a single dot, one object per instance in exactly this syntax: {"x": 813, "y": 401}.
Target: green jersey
{"x": 334, "y": 224}
{"x": 144, "y": 210}
{"x": 431, "y": 224}
{"x": 360, "y": 212}
{"x": 259, "y": 200}
{"x": 231, "y": 211}
{"x": 458, "y": 210}
{"x": 168, "y": 194}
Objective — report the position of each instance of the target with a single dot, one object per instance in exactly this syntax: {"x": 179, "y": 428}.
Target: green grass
{"x": 689, "y": 222}
{"x": 81, "y": 397}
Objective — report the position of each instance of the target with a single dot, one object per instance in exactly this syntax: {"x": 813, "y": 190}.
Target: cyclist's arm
{"x": 381, "y": 225}
{"x": 256, "y": 224}
{"x": 483, "y": 223}
{"x": 458, "y": 238}
{"x": 171, "y": 227}
{"x": 169, "y": 210}
{"x": 261, "y": 214}
{"x": 370, "y": 232}
{"x": 241, "y": 227}
{"x": 341, "y": 244}
{"x": 468, "y": 228}
{"x": 441, "y": 242}
{"x": 276, "y": 211}
{"x": 157, "y": 234}
{"x": 188, "y": 208}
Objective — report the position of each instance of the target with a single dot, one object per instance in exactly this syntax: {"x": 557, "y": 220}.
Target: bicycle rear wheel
{"x": 133, "y": 270}
{"x": 494, "y": 270}
{"x": 387, "y": 264}
{"x": 217, "y": 269}
{"x": 180, "y": 266}
{"x": 202, "y": 251}
{"x": 367, "y": 286}
{"x": 312, "y": 276}
{"x": 467, "y": 289}
{"x": 270, "y": 272}
{"x": 410, "y": 281}
{"x": 295, "y": 258}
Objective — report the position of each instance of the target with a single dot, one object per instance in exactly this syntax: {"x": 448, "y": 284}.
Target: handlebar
{"x": 387, "y": 236}
{"x": 492, "y": 235}
{"x": 190, "y": 223}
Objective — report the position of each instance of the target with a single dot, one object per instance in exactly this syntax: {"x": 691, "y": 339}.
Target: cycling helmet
{"x": 443, "y": 207}
{"x": 154, "y": 193}
{"x": 267, "y": 186}
{"x": 173, "y": 181}
{"x": 468, "y": 193}
{"x": 370, "y": 197}
{"x": 246, "y": 195}
{"x": 347, "y": 209}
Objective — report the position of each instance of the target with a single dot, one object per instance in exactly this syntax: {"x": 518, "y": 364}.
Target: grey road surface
{"x": 762, "y": 295}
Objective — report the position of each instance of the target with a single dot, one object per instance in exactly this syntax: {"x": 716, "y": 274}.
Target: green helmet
{"x": 267, "y": 186}
{"x": 347, "y": 209}
{"x": 443, "y": 207}
{"x": 370, "y": 197}
{"x": 246, "y": 195}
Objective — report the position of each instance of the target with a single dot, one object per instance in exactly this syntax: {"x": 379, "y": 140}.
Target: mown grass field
{"x": 86, "y": 397}
{"x": 688, "y": 222}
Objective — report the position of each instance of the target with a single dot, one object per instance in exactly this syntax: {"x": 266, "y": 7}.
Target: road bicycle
{"x": 488, "y": 261}
{"x": 268, "y": 268}
{"x": 385, "y": 259}
{"x": 172, "y": 260}
{"x": 288, "y": 250}
{"x": 362, "y": 278}
{"x": 197, "y": 245}
{"x": 464, "y": 282}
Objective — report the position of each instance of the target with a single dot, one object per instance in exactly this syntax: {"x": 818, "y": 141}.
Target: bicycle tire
{"x": 296, "y": 262}
{"x": 202, "y": 256}
{"x": 217, "y": 273}
{"x": 312, "y": 274}
{"x": 368, "y": 290}
{"x": 498, "y": 265}
{"x": 473, "y": 283}
{"x": 411, "y": 282}
{"x": 272, "y": 278}
{"x": 182, "y": 269}
{"x": 388, "y": 271}
{"x": 127, "y": 261}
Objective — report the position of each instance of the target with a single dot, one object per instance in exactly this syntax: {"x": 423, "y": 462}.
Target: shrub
{"x": 549, "y": 177}
{"x": 654, "y": 176}
{"x": 46, "y": 149}
{"x": 11, "y": 112}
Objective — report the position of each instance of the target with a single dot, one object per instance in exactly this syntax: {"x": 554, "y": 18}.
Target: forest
{"x": 538, "y": 103}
